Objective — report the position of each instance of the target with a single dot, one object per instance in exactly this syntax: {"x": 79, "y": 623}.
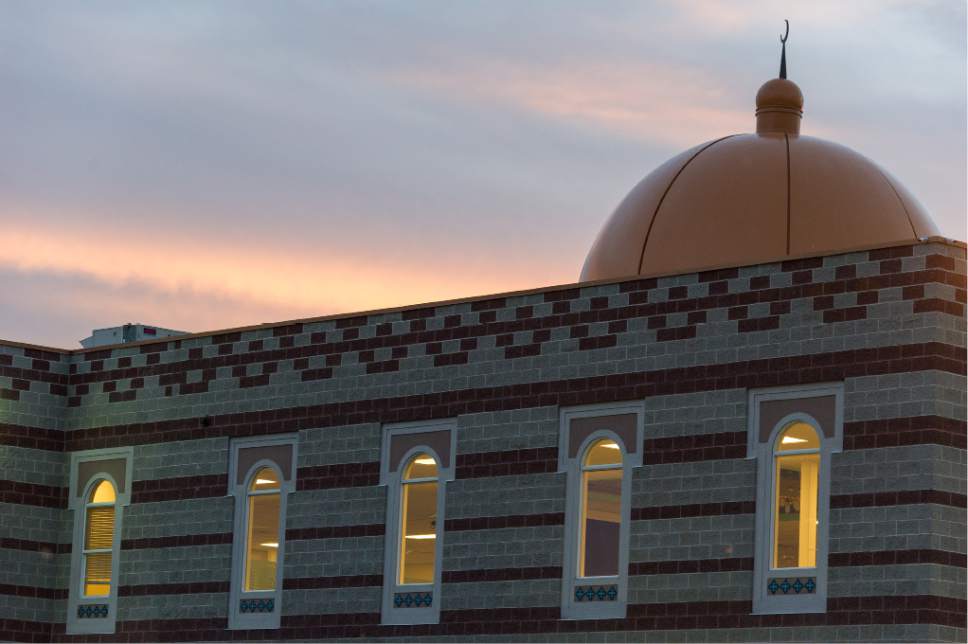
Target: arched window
{"x": 262, "y": 531}
{"x": 97, "y": 553}
{"x": 262, "y": 475}
{"x": 100, "y": 488}
{"x": 417, "y": 461}
{"x": 418, "y": 520}
{"x": 796, "y": 456}
{"x": 601, "y": 510}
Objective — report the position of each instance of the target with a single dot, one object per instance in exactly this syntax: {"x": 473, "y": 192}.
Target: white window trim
{"x": 237, "y": 619}
{"x": 78, "y": 504}
{"x": 765, "y": 603}
{"x": 391, "y": 614}
{"x": 570, "y": 608}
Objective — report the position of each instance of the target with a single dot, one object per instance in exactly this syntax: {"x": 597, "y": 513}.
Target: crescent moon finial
{"x": 783, "y": 40}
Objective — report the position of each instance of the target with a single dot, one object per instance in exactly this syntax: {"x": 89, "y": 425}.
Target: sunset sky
{"x": 201, "y": 165}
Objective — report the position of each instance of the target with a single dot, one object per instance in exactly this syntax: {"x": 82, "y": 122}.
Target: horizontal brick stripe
{"x": 347, "y": 581}
{"x": 33, "y": 591}
{"x": 207, "y": 539}
{"x": 729, "y": 564}
{"x": 500, "y": 523}
{"x": 539, "y": 460}
{"x": 693, "y": 510}
{"x": 910, "y": 609}
{"x": 916, "y": 430}
{"x": 631, "y": 386}
{"x": 51, "y": 440}
{"x": 905, "y": 497}
{"x": 898, "y": 557}
{"x": 46, "y": 496}
{"x": 179, "y": 487}
{"x": 500, "y": 574}
{"x": 697, "y": 447}
{"x": 336, "y": 532}
{"x": 338, "y": 475}
{"x": 185, "y": 588}
{"x": 35, "y": 546}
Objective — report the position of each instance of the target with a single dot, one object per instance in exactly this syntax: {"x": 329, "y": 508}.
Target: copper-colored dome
{"x": 755, "y": 198}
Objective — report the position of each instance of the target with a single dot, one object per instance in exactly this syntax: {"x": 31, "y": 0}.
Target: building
{"x": 126, "y": 333}
{"x": 746, "y": 422}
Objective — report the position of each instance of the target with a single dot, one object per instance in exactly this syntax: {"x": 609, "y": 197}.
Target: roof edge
{"x": 934, "y": 239}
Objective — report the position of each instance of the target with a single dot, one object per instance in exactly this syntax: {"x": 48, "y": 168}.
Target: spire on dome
{"x": 783, "y": 40}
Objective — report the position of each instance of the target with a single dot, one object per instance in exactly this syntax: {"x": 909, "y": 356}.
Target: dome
{"x": 756, "y": 198}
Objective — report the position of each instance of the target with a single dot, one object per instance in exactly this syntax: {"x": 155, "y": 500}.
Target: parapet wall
{"x": 889, "y": 323}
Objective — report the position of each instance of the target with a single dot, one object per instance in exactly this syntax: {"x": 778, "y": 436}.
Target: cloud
{"x": 343, "y": 155}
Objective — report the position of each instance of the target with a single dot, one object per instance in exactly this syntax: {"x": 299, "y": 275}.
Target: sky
{"x": 200, "y": 165}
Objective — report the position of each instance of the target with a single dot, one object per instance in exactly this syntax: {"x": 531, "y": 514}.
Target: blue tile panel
{"x": 92, "y": 611}
{"x": 596, "y": 593}
{"x": 257, "y": 605}
{"x": 792, "y": 585}
{"x": 413, "y": 600}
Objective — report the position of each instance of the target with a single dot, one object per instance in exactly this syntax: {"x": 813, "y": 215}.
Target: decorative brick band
{"x": 631, "y": 386}
{"x": 896, "y": 610}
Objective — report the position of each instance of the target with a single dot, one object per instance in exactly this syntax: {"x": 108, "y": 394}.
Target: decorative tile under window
{"x": 792, "y": 585}
{"x": 596, "y": 593}
{"x": 257, "y": 605}
{"x": 413, "y": 600}
{"x": 92, "y": 611}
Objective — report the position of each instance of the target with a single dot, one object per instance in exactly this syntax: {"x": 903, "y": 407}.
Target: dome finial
{"x": 783, "y": 40}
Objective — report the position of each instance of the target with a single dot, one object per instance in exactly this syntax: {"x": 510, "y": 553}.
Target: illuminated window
{"x": 793, "y": 433}
{"x": 417, "y": 461}
{"x": 418, "y": 511}
{"x": 262, "y": 533}
{"x": 599, "y": 446}
{"x": 98, "y": 550}
{"x": 601, "y": 510}
{"x": 100, "y": 489}
{"x": 797, "y": 472}
{"x": 262, "y": 474}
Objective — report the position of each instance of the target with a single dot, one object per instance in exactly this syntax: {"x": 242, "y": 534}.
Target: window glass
{"x": 798, "y": 436}
{"x": 262, "y": 536}
{"x": 421, "y": 466}
{"x": 418, "y": 544}
{"x": 99, "y": 540}
{"x": 601, "y": 510}
{"x": 604, "y": 452}
{"x": 795, "y": 516}
{"x": 103, "y": 493}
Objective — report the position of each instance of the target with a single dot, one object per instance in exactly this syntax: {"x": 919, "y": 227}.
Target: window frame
{"x": 101, "y": 610}
{"x": 573, "y": 467}
{"x": 765, "y": 453}
{"x": 287, "y": 485}
{"x": 392, "y": 479}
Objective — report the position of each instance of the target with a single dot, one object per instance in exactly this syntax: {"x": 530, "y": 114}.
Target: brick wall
{"x": 889, "y": 323}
